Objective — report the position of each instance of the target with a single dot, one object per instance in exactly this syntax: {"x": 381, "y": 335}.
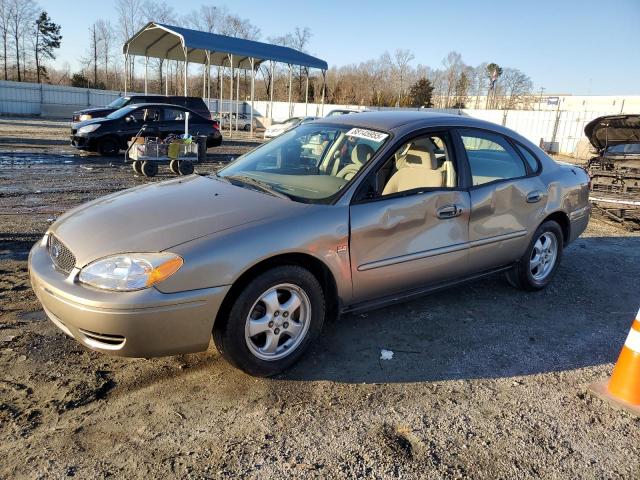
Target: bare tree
{"x": 402, "y": 58}
{"x": 4, "y": 33}
{"x": 130, "y": 21}
{"x": 21, "y": 13}
{"x": 107, "y": 37}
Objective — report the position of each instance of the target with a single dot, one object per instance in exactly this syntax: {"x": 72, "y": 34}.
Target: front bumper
{"x": 144, "y": 323}
{"x": 82, "y": 143}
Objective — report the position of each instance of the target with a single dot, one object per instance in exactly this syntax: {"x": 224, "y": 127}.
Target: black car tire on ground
{"x": 149, "y": 169}
{"x": 185, "y": 168}
{"x": 247, "y": 128}
{"x": 173, "y": 166}
{"x": 108, "y": 146}
{"x": 229, "y": 330}
{"x": 521, "y": 276}
{"x": 137, "y": 166}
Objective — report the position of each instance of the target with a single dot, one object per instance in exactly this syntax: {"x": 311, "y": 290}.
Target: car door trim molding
{"x": 440, "y": 251}
{"x": 413, "y": 256}
{"x": 498, "y": 238}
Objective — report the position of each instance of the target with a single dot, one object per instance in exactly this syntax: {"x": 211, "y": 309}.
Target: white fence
{"x": 560, "y": 131}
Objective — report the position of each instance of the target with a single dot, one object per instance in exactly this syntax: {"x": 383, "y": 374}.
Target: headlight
{"x": 85, "y": 116}
{"x": 131, "y": 271}
{"x": 89, "y": 128}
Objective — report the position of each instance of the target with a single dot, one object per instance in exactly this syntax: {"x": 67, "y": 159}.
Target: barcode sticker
{"x": 367, "y": 134}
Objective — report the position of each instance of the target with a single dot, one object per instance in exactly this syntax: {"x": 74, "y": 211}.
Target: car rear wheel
{"x": 149, "y": 169}
{"x": 538, "y": 265}
{"x": 247, "y": 128}
{"x": 272, "y": 321}
{"x": 108, "y": 146}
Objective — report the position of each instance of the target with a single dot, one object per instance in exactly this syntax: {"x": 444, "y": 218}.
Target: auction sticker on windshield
{"x": 368, "y": 134}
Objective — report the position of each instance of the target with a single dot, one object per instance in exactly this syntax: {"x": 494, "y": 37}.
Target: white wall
{"x": 561, "y": 131}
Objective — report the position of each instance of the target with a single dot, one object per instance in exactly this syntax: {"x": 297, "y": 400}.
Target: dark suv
{"x": 110, "y": 134}
{"x": 195, "y": 104}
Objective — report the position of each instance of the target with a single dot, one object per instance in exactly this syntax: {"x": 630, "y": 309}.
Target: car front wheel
{"x": 272, "y": 321}
{"x": 538, "y": 265}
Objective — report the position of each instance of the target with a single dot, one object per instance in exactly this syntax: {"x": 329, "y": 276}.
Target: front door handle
{"x": 535, "y": 196}
{"x": 449, "y": 211}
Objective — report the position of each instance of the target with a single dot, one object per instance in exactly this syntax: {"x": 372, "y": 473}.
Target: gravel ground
{"x": 485, "y": 381}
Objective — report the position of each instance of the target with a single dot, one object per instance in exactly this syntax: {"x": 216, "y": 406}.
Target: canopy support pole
{"x": 306, "y": 95}
{"x": 186, "y": 67}
{"x": 324, "y": 84}
{"x": 231, "y": 94}
{"x": 126, "y": 62}
{"x": 237, "y": 96}
{"x": 221, "y": 77}
{"x": 253, "y": 92}
{"x": 290, "y": 83}
{"x": 271, "y": 94}
{"x": 209, "y": 80}
{"x": 146, "y": 69}
{"x": 166, "y": 78}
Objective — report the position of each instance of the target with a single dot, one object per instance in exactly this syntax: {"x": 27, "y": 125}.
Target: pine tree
{"x": 47, "y": 38}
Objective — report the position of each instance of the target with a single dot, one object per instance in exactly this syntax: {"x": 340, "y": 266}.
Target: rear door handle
{"x": 449, "y": 211}
{"x": 533, "y": 197}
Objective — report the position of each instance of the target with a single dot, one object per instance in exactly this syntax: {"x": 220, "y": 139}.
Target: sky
{"x": 580, "y": 47}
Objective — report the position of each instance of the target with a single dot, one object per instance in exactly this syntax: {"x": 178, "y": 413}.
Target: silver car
{"x": 337, "y": 215}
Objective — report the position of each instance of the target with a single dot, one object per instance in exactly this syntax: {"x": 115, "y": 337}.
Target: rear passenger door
{"x": 173, "y": 121}
{"x": 507, "y": 198}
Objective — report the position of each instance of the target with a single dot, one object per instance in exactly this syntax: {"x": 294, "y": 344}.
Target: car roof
{"x": 406, "y": 121}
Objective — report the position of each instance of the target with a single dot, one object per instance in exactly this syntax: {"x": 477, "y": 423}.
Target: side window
{"x": 529, "y": 157}
{"x": 491, "y": 157}
{"x": 425, "y": 162}
{"x": 171, "y": 114}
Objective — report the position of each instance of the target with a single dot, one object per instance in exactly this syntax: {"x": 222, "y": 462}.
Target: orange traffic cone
{"x": 623, "y": 389}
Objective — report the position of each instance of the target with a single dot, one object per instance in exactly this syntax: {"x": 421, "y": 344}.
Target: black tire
{"x": 149, "y": 169}
{"x": 185, "y": 168}
{"x": 521, "y": 276}
{"x": 137, "y": 166}
{"x": 229, "y": 332}
{"x": 108, "y": 146}
{"x": 247, "y": 128}
{"x": 173, "y": 166}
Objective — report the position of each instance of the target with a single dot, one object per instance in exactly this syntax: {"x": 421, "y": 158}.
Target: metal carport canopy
{"x": 170, "y": 42}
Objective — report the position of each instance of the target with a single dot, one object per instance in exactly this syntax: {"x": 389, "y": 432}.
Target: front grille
{"x": 61, "y": 255}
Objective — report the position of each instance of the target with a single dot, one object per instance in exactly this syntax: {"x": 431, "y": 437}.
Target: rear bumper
{"x": 579, "y": 220}
{"x": 144, "y": 323}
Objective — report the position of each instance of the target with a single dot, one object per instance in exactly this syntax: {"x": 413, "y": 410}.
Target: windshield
{"x": 118, "y": 102}
{"x": 310, "y": 163}
{"x": 625, "y": 149}
{"x": 121, "y": 112}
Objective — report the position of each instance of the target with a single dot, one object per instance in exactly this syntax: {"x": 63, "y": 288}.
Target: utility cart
{"x": 146, "y": 150}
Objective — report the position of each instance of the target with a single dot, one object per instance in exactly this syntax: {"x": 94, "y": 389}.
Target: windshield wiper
{"x": 254, "y": 182}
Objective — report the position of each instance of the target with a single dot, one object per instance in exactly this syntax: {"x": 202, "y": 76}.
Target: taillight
{"x": 216, "y": 125}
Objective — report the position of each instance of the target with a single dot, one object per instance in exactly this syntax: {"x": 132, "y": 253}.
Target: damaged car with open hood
{"x": 615, "y": 171}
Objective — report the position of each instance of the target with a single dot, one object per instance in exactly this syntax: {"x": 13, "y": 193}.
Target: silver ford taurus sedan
{"x": 340, "y": 214}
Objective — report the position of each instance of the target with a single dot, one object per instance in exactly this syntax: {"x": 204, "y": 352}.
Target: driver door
{"x": 411, "y": 228}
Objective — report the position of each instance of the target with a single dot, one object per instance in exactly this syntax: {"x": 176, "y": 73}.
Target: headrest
{"x": 421, "y": 154}
{"x": 361, "y": 153}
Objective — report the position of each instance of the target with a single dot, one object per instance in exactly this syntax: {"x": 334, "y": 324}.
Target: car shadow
{"x": 487, "y": 329}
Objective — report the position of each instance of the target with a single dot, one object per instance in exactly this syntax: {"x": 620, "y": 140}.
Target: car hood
{"x": 93, "y": 111}
{"x": 88, "y": 122}
{"x": 158, "y": 216}
{"x": 613, "y": 130}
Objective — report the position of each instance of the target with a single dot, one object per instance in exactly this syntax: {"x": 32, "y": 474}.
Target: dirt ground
{"x": 485, "y": 381}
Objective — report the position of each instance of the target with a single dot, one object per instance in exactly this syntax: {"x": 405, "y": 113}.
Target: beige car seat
{"x": 360, "y": 155}
{"x": 417, "y": 168}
